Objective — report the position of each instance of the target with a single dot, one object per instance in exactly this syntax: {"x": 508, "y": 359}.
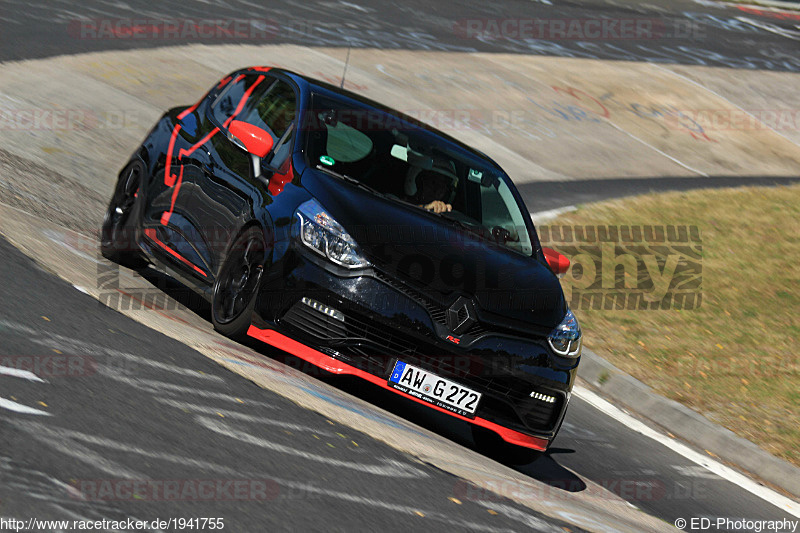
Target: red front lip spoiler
{"x": 330, "y": 364}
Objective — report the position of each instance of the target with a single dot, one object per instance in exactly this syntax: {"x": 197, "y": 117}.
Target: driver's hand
{"x": 438, "y": 206}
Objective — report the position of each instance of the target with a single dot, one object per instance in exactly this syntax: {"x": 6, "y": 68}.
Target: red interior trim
{"x": 330, "y": 364}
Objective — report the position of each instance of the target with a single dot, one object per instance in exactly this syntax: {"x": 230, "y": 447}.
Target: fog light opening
{"x": 543, "y": 397}
{"x": 324, "y": 309}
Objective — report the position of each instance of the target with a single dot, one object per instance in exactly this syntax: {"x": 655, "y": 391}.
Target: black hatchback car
{"x": 360, "y": 240}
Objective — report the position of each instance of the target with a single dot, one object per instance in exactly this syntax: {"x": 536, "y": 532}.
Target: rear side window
{"x": 347, "y": 144}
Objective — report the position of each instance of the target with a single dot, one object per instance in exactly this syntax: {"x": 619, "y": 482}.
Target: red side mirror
{"x": 559, "y": 263}
{"x": 255, "y": 140}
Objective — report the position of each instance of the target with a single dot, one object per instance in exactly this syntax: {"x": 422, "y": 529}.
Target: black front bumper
{"x": 380, "y": 320}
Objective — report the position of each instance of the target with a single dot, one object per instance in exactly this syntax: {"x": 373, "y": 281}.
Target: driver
{"x": 432, "y": 189}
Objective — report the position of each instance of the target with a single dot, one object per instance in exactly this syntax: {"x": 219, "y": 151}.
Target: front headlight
{"x": 565, "y": 339}
{"x": 320, "y": 232}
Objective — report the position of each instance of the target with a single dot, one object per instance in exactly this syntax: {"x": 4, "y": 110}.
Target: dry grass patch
{"x": 735, "y": 358}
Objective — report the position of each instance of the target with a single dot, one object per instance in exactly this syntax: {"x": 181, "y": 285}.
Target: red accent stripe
{"x": 245, "y": 96}
{"x": 189, "y": 109}
{"x": 169, "y": 178}
{"x": 330, "y": 364}
{"x": 223, "y": 81}
{"x": 198, "y": 144}
{"x": 151, "y": 234}
{"x": 167, "y": 214}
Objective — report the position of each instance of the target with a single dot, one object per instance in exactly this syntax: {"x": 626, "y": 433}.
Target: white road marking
{"x": 706, "y": 462}
{"x": 694, "y": 471}
{"x": 541, "y": 217}
{"x": 56, "y": 237}
{"x": 388, "y": 467}
{"x": 673, "y": 159}
{"x": 19, "y": 408}
{"x": 81, "y": 289}
{"x": 66, "y": 441}
{"x": 734, "y": 104}
{"x": 783, "y": 32}
{"x": 17, "y": 373}
{"x": 161, "y": 387}
{"x": 61, "y": 342}
{"x": 539, "y": 525}
{"x": 213, "y": 411}
{"x": 355, "y": 6}
{"x": 711, "y": 3}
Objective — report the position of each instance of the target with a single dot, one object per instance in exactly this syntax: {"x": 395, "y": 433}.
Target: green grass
{"x": 735, "y": 358}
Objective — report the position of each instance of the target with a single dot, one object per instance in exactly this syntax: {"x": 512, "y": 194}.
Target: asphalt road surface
{"x": 125, "y": 405}
{"x": 701, "y": 32}
{"x": 182, "y": 418}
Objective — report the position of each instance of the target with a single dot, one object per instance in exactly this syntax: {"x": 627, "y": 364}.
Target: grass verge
{"x": 735, "y": 357}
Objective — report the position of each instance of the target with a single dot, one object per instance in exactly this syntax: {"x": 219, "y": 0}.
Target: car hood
{"x": 439, "y": 260}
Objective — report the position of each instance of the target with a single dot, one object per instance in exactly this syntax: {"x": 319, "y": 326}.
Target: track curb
{"x": 687, "y": 424}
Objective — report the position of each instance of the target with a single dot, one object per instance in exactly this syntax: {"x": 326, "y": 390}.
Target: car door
{"x": 229, "y": 188}
{"x": 170, "y": 225}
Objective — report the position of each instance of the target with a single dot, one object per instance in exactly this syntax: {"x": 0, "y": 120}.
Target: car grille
{"x": 373, "y": 347}
{"x": 437, "y": 312}
{"x": 354, "y": 335}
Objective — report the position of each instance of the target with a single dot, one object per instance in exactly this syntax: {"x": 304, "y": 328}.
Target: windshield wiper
{"x": 475, "y": 229}
{"x": 349, "y": 179}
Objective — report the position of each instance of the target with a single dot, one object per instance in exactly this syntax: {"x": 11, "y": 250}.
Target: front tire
{"x": 237, "y": 284}
{"x": 118, "y": 233}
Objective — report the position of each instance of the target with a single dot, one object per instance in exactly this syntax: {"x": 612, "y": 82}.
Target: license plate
{"x": 434, "y": 389}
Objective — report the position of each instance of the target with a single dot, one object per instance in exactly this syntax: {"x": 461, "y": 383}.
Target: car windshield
{"x": 404, "y": 162}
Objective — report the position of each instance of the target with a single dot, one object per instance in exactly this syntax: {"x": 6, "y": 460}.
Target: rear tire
{"x": 237, "y": 284}
{"x": 118, "y": 234}
{"x": 491, "y": 444}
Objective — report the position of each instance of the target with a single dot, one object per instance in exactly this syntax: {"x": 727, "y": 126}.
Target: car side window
{"x": 274, "y": 110}
{"x": 231, "y": 97}
{"x": 263, "y": 101}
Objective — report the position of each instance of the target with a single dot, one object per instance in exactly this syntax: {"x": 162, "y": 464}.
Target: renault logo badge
{"x": 461, "y": 315}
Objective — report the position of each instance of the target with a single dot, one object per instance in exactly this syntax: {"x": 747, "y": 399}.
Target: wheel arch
{"x": 265, "y": 232}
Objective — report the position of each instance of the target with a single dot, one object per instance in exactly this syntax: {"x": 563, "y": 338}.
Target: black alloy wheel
{"x": 237, "y": 284}
{"x": 118, "y": 234}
